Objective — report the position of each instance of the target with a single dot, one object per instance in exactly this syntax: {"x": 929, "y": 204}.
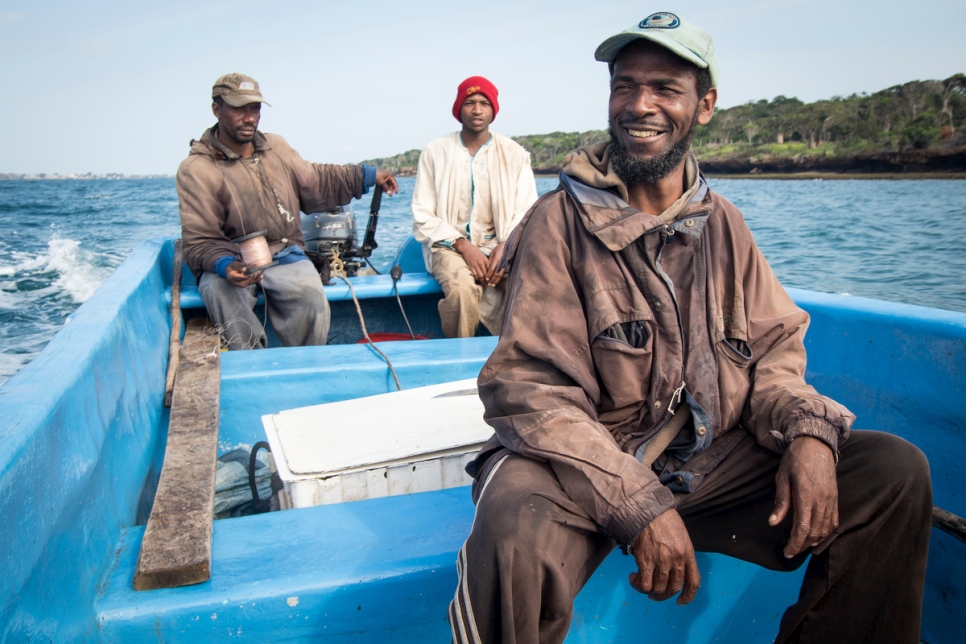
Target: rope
{"x": 362, "y": 323}
{"x": 336, "y": 265}
{"x": 396, "y": 273}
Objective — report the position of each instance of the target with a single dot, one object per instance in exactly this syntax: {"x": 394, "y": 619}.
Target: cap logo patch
{"x": 472, "y": 90}
{"x": 246, "y": 85}
{"x": 660, "y": 20}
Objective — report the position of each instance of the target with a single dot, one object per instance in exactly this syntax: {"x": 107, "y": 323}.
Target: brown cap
{"x": 237, "y": 90}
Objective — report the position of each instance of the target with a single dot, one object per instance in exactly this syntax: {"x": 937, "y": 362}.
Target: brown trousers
{"x": 465, "y": 303}
{"x": 864, "y": 584}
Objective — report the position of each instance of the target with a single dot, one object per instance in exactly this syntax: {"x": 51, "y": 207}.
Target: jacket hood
{"x": 591, "y": 165}
{"x": 602, "y": 198}
{"x": 210, "y": 146}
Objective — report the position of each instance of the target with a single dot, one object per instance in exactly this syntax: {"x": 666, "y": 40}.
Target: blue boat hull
{"x": 82, "y": 440}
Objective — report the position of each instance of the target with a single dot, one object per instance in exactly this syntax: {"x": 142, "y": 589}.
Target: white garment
{"x": 503, "y": 189}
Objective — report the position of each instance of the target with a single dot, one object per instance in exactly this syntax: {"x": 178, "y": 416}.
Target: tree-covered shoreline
{"x": 916, "y": 127}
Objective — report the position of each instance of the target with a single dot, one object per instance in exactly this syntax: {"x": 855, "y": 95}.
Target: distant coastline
{"x": 914, "y": 130}
{"x": 773, "y": 161}
{"x": 911, "y": 131}
{"x": 918, "y": 164}
{"x": 844, "y": 176}
{"x": 550, "y": 172}
{"x": 44, "y": 176}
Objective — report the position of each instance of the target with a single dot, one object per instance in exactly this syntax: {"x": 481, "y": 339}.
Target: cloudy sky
{"x": 120, "y": 86}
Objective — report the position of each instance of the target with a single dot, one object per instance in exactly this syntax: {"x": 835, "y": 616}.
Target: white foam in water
{"x": 78, "y": 275}
{"x": 11, "y": 363}
{"x": 10, "y": 298}
{"x": 22, "y": 263}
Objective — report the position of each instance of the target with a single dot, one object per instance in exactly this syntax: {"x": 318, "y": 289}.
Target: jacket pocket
{"x": 734, "y": 369}
{"x": 737, "y": 351}
{"x": 623, "y": 360}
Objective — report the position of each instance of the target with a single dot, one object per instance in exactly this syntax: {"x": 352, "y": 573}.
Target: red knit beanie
{"x": 475, "y": 85}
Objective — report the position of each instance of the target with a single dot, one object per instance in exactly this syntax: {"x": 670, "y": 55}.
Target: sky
{"x": 121, "y": 86}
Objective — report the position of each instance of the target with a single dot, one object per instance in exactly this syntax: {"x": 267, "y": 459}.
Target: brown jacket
{"x": 610, "y": 310}
{"x": 223, "y": 196}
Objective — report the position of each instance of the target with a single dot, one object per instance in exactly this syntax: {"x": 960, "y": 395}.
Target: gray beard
{"x": 633, "y": 170}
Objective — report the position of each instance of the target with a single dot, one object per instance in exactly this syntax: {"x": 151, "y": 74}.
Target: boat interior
{"x": 83, "y": 438}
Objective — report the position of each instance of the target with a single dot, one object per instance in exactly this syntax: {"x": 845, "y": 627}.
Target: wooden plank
{"x": 176, "y": 549}
{"x": 175, "y": 338}
{"x": 949, "y": 523}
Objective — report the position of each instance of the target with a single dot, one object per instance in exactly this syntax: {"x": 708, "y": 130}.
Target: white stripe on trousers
{"x": 461, "y": 619}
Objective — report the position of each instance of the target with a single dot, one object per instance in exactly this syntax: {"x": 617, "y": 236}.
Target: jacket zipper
{"x": 679, "y": 392}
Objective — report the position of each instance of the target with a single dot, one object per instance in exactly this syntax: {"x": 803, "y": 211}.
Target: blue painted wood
{"x": 299, "y": 377}
{"x": 902, "y": 369}
{"x": 82, "y": 434}
{"x": 337, "y": 571}
{"x": 80, "y": 427}
{"x": 368, "y": 571}
{"x": 421, "y": 283}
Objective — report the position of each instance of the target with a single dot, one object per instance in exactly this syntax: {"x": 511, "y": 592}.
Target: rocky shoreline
{"x": 913, "y": 164}
{"x": 897, "y": 164}
{"x": 947, "y": 160}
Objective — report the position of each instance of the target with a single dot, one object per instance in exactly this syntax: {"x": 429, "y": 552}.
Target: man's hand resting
{"x": 475, "y": 260}
{"x": 806, "y": 481}
{"x": 236, "y": 275}
{"x": 493, "y": 276}
{"x": 665, "y": 560}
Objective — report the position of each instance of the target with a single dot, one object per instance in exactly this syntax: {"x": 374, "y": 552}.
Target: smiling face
{"x": 476, "y": 114}
{"x": 237, "y": 125}
{"x": 654, "y": 108}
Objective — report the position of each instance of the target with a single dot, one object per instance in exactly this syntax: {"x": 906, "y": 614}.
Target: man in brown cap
{"x": 648, "y": 392}
{"x": 238, "y": 181}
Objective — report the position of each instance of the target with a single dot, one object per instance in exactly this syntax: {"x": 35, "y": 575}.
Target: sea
{"x": 901, "y": 241}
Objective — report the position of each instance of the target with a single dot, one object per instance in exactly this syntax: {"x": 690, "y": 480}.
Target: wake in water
{"x": 37, "y": 293}
{"x": 78, "y": 274}
{"x": 893, "y": 240}
{"x": 66, "y": 267}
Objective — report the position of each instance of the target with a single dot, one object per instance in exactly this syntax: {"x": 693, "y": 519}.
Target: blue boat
{"x": 83, "y": 437}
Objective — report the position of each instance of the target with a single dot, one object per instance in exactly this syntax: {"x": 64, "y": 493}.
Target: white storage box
{"x": 407, "y": 441}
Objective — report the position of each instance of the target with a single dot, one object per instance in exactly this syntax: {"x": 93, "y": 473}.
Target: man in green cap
{"x": 238, "y": 181}
{"x": 648, "y": 393}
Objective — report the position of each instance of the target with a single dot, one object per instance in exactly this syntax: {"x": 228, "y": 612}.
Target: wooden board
{"x": 176, "y": 549}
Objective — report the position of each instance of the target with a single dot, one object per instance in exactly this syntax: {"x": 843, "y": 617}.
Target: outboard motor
{"x": 333, "y": 236}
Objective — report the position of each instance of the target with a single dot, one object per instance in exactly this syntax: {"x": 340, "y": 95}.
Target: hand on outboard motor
{"x": 387, "y": 182}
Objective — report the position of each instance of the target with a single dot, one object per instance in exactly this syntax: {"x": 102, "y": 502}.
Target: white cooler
{"x": 402, "y": 442}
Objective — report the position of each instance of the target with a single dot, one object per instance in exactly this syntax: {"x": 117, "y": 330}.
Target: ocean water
{"x": 892, "y": 240}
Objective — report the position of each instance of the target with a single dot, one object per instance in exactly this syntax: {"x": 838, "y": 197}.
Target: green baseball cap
{"x": 237, "y": 90}
{"x": 671, "y": 32}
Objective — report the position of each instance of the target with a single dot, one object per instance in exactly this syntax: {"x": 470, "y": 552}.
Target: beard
{"x": 632, "y": 169}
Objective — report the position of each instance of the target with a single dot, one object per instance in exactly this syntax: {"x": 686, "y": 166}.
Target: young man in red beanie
{"x": 472, "y": 187}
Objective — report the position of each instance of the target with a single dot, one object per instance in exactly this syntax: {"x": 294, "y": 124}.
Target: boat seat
{"x": 306, "y": 573}
{"x": 385, "y": 569}
{"x": 373, "y": 287}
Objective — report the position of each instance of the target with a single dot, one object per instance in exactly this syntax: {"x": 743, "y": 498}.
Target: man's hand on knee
{"x": 493, "y": 276}
{"x": 806, "y": 481}
{"x": 475, "y": 260}
{"x": 236, "y": 275}
{"x": 665, "y": 560}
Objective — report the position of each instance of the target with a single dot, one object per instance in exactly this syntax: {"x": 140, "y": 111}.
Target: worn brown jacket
{"x": 223, "y": 196}
{"x": 609, "y": 311}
